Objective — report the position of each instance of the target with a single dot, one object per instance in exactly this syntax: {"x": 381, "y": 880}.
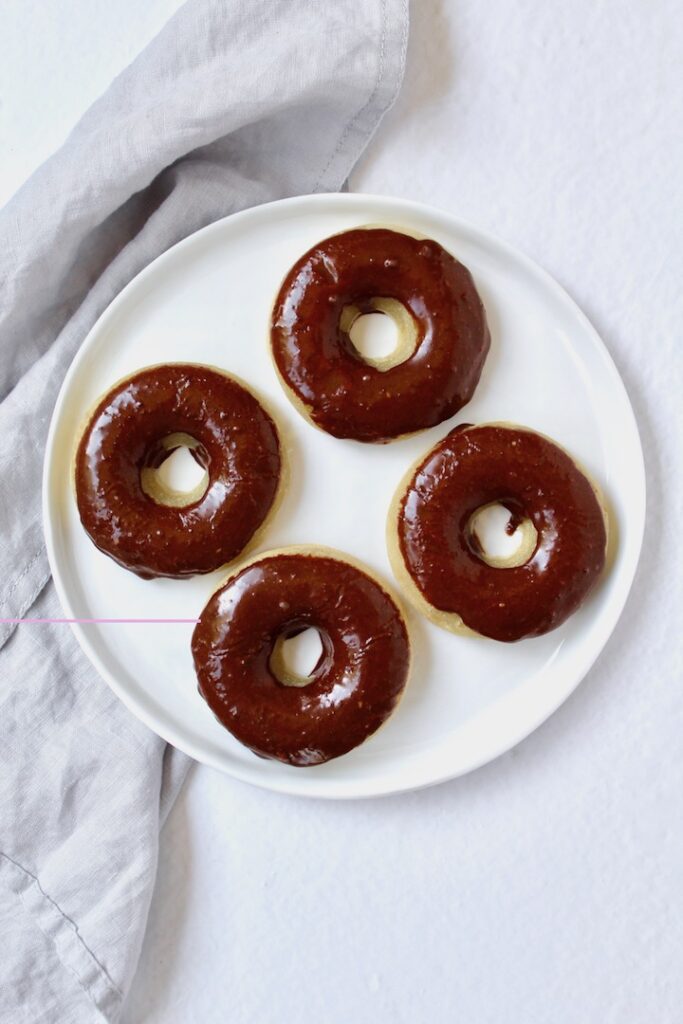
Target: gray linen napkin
{"x": 233, "y": 104}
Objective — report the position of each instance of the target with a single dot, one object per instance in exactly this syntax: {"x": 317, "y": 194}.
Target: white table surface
{"x": 547, "y": 886}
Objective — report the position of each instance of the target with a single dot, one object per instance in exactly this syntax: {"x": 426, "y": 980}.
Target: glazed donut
{"x": 441, "y": 322}
{"x": 355, "y": 685}
{"x": 151, "y": 530}
{"x": 437, "y": 556}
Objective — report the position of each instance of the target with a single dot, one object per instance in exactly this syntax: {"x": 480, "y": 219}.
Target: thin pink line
{"x": 18, "y": 621}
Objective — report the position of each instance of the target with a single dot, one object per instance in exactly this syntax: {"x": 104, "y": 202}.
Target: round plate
{"x": 209, "y": 300}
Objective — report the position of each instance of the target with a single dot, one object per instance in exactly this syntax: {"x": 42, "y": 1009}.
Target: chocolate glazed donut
{"x": 157, "y": 532}
{"x": 436, "y": 553}
{"x": 439, "y": 315}
{"x": 353, "y": 688}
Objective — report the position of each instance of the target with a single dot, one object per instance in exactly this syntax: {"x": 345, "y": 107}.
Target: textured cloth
{"x": 233, "y": 104}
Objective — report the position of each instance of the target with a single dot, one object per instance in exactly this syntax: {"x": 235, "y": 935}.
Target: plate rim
{"x": 290, "y": 784}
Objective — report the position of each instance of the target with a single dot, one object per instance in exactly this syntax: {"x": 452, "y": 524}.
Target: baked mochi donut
{"x": 438, "y": 557}
{"x": 353, "y": 688}
{"x": 442, "y": 327}
{"x": 143, "y": 525}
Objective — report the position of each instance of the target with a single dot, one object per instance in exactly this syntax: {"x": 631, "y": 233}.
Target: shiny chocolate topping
{"x": 134, "y": 428}
{"x": 473, "y": 467}
{"x": 351, "y": 691}
{"x": 315, "y": 357}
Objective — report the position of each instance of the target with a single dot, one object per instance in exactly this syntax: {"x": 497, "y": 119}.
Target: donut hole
{"x": 501, "y": 535}
{"x": 381, "y": 332}
{"x": 297, "y": 653}
{"x": 175, "y": 471}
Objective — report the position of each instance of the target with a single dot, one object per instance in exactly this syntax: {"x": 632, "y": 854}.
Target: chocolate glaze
{"x": 316, "y": 359}
{"x": 238, "y": 447}
{"x": 353, "y": 688}
{"x": 533, "y": 478}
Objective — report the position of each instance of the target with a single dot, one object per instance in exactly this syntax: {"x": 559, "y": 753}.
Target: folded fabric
{"x": 233, "y": 104}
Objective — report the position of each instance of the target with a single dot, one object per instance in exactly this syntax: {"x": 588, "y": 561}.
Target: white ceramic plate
{"x": 208, "y": 299}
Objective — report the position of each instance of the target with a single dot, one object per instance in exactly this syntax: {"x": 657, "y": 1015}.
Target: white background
{"x": 548, "y": 886}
